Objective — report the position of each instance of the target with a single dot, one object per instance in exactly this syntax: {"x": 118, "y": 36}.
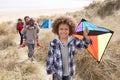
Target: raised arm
{"x": 86, "y": 32}
{"x": 83, "y": 44}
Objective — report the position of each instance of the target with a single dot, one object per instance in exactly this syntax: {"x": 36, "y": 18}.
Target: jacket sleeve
{"x": 49, "y": 62}
{"x": 23, "y": 31}
{"x": 82, "y": 44}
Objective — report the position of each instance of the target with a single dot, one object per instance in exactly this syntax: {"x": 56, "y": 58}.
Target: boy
{"x": 61, "y": 54}
{"x": 19, "y": 27}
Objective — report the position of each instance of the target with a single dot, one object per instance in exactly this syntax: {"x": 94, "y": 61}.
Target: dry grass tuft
{"x": 7, "y": 42}
{"x": 11, "y": 66}
{"x": 46, "y": 37}
{"x": 13, "y": 54}
{"x": 6, "y": 27}
{"x": 7, "y": 65}
{"x": 3, "y": 30}
{"x": 29, "y": 69}
{"x": 107, "y": 69}
{"x": 109, "y": 8}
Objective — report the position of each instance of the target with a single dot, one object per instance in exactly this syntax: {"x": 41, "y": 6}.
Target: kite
{"x": 99, "y": 36}
{"x": 47, "y": 23}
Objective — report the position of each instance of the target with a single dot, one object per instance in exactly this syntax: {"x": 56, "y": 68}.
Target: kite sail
{"x": 99, "y": 36}
{"x": 47, "y": 24}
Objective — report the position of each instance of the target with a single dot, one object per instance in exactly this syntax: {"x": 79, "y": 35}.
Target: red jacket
{"x": 19, "y": 26}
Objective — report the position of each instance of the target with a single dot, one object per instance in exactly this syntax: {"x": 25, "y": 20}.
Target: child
{"x": 31, "y": 34}
{"x": 61, "y": 54}
{"x": 26, "y": 25}
{"x": 19, "y": 27}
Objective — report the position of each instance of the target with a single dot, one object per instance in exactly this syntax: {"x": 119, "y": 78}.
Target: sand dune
{"x": 14, "y": 15}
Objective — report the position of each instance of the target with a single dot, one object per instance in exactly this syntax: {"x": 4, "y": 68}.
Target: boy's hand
{"x": 23, "y": 43}
{"x": 39, "y": 45}
{"x": 55, "y": 75}
{"x": 86, "y": 32}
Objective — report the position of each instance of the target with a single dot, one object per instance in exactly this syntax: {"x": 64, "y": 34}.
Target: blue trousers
{"x": 21, "y": 38}
{"x": 63, "y": 78}
{"x": 30, "y": 50}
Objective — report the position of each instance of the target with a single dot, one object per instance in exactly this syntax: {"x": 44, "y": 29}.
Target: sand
{"x": 14, "y": 15}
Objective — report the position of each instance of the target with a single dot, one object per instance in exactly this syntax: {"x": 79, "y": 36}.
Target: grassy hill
{"x": 13, "y": 59}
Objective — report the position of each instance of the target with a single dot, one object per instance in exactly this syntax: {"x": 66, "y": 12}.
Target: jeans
{"x": 30, "y": 50}
{"x": 21, "y": 38}
{"x": 66, "y": 78}
{"x": 63, "y": 78}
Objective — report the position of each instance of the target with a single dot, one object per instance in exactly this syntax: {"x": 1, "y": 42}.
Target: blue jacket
{"x": 54, "y": 59}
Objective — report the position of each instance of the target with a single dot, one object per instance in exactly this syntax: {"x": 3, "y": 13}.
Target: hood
{"x": 70, "y": 38}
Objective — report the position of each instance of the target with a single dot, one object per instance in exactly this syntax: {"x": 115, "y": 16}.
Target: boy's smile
{"x": 63, "y": 31}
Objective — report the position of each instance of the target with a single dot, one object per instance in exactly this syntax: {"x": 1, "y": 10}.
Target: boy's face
{"x": 31, "y": 23}
{"x": 27, "y": 19}
{"x": 63, "y": 31}
{"x": 19, "y": 21}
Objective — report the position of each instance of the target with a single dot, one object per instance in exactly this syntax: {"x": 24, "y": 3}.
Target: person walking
{"x": 61, "y": 54}
{"x": 26, "y": 25}
{"x": 31, "y": 35}
{"x": 19, "y": 28}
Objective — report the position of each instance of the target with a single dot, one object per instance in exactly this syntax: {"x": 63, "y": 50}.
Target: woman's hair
{"x": 64, "y": 20}
{"x": 26, "y": 17}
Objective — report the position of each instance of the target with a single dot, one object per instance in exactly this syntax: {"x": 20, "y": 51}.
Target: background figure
{"x": 31, "y": 34}
{"x": 26, "y": 19}
{"x": 27, "y": 23}
{"x": 19, "y": 28}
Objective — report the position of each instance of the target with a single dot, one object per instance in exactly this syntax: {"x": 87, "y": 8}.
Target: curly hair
{"x": 64, "y": 20}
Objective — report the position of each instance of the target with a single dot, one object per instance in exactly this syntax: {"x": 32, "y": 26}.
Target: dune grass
{"x": 7, "y": 42}
{"x": 109, "y": 8}
{"x": 3, "y": 30}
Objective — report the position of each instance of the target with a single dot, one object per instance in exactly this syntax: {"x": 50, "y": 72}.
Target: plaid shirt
{"x": 54, "y": 59}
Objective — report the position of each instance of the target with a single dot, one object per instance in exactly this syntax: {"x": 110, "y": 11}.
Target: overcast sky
{"x": 42, "y": 4}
